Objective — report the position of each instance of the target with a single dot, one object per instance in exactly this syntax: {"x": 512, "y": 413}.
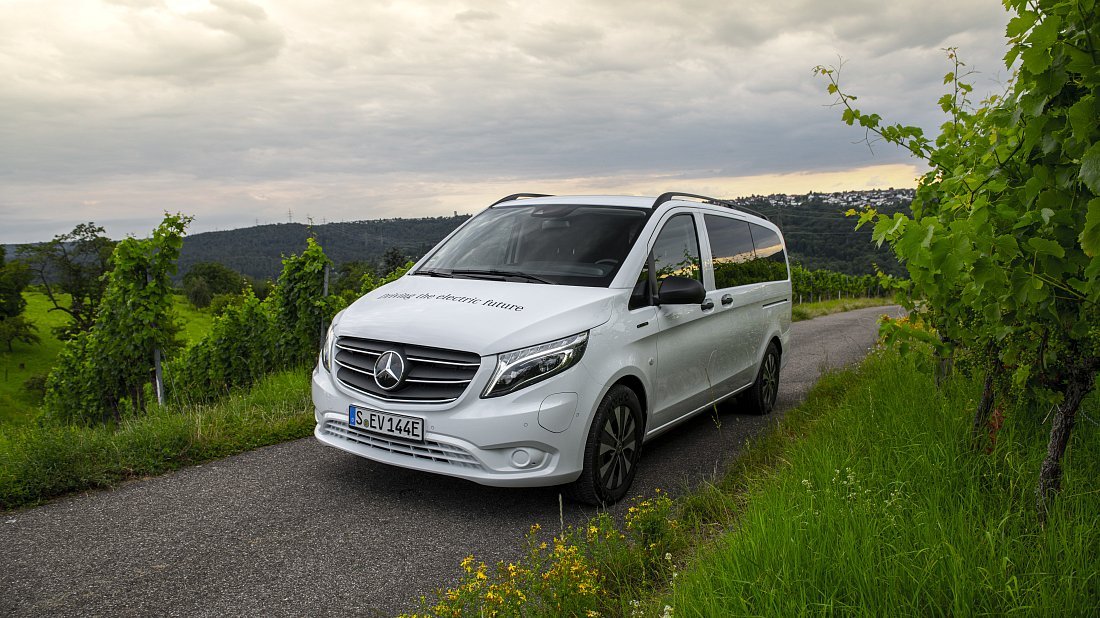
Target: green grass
{"x": 865, "y": 500}
{"x": 41, "y": 462}
{"x": 874, "y": 505}
{"x": 807, "y": 311}
{"x": 196, "y": 322}
{"x": 17, "y": 405}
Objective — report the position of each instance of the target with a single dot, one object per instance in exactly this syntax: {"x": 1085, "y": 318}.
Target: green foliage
{"x": 348, "y": 276}
{"x": 14, "y": 326}
{"x": 252, "y": 338}
{"x": 1002, "y": 246}
{"x": 71, "y": 269}
{"x": 208, "y": 279}
{"x": 392, "y": 259}
{"x": 103, "y": 372}
{"x": 14, "y": 278}
{"x": 816, "y": 285}
{"x": 240, "y": 348}
{"x": 300, "y": 307}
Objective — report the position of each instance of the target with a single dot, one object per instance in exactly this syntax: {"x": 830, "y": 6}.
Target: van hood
{"x": 473, "y": 315}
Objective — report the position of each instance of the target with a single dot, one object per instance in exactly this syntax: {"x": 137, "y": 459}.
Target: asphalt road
{"x": 303, "y": 529}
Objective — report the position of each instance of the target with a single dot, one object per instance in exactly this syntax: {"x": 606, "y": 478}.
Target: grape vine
{"x": 1003, "y": 246}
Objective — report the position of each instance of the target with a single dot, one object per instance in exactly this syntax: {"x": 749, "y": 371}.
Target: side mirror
{"x": 676, "y": 290}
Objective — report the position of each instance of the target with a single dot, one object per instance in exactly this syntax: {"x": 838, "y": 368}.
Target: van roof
{"x": 632, "y": 201}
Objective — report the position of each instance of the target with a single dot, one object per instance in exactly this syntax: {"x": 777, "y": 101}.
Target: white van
{"x": 547, "y": 338}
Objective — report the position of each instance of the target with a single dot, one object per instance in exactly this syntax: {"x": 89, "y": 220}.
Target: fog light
{"x": 521, "y": 458}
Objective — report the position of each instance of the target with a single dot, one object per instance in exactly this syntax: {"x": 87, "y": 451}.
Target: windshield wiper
{"x": 501, "y": 273}
{"x": 433, "y": 273}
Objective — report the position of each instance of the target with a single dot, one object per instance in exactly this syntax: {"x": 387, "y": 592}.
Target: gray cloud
{"x": 237, "y": 112}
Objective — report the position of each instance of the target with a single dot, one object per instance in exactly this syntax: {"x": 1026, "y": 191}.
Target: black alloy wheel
{"x": 761, "y": 396}
{"x": 612, "y": 451}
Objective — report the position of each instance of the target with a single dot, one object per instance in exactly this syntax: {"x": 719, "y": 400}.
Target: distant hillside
{"x": 257, "y": 251}
{"x": 818, "y": 236}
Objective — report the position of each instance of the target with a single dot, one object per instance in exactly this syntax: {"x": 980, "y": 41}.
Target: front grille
{"x": 433, "y": 375}
{"x": 428, "y": 450}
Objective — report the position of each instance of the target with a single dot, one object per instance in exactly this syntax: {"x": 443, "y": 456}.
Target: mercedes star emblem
{"x": 389, "y": 370}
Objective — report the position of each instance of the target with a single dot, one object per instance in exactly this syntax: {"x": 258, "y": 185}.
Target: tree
{"x": 73, "y": 264}
{"x": 1003, "y": 245}
{"x": 349, "y": 275}
{"x": 14, "y": 326}
{"x": 18, "y": 328}
{"x": 393, "y": 259}
{"x": 14, "y": 278}
{"x": 208, "y": 279}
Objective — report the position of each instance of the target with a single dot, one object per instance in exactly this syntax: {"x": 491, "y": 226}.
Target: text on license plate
{"x": 408, "y": 427}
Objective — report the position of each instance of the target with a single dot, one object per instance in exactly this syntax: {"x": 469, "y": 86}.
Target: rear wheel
{"x": 612, "y": 451}
{"x": 760, "y": 398}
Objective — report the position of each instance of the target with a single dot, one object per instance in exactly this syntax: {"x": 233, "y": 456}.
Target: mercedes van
{"x": 546, "y": 339}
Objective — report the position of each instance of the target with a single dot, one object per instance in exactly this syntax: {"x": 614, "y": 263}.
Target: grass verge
{"x": 807, "y": 311}
{"x": 38, "y": 462}
{"x": 864, "y": 500}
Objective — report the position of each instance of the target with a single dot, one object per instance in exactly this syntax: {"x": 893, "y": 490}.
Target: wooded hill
{"x": 818, "y": 236}
{"x": 257, "y": 251}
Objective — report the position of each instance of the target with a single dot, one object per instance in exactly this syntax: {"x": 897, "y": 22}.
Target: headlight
{"x": 326, "y": 350}
{"x": 521, "y": 368}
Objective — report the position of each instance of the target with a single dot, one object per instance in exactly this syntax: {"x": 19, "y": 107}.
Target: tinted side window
{"x": 732, "y": 249}
{"x": 676, "y": 251}
{"x": 769, "y": 250}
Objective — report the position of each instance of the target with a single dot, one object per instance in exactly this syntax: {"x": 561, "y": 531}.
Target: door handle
{"x": 707, "y": 305}
{"x": 727, "y": 300}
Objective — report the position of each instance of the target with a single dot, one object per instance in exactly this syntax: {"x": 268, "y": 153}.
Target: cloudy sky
{"x": 242, "y": 111}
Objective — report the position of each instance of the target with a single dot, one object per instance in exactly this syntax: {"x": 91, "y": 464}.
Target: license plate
{"x": 386, "y": 424}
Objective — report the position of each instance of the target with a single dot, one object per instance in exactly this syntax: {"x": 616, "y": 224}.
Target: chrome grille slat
{"x": 434, "y": 361}
{"x": 433, "y": 375}
{"x": 358, "y": 350}
{"x": 356, "y": 369}
{"x": 430, "y": 450}
{"x": 396, "y": 399}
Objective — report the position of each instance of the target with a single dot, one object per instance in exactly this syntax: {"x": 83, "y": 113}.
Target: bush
{"x": 36, "y": 386}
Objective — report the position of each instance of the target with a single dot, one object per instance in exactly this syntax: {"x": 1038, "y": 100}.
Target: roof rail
{"x": 671, "y": 195}
{"x": 516, "y": 196}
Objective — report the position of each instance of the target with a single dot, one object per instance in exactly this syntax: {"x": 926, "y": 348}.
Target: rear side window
{"x": 769, "y": 252}
{"x": 732, "y": 250}
{"x": 744, "y": 252}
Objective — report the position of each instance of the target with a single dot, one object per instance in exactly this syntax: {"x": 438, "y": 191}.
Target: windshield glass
{"x": 562, "y": 244}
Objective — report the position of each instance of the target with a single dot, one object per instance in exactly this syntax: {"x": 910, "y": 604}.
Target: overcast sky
{"x": 240, "y": 111}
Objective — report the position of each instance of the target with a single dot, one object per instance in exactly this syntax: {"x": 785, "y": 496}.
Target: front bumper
{"x": 533, "y": 437}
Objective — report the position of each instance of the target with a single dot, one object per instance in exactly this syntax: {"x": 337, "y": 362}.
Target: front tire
{"x": 761, "y": 396}
{"x": 612, "y": 450}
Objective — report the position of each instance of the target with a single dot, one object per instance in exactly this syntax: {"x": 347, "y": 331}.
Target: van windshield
{"x": 557, "y": 243}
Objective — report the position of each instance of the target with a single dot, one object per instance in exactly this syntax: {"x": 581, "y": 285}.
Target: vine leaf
{"x": 1090, "y": 235}
{"x": 1090, "y": 168}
